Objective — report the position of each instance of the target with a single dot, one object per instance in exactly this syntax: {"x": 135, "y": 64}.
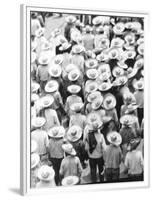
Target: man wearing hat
{"x": 134, "y": 163}
{"x": 113, "y": 157}
{"x": 71, "y": 165}
{"x": 56, "y": 153}
{"x": 88, "y": 38}
{"x": 70, "y": 20}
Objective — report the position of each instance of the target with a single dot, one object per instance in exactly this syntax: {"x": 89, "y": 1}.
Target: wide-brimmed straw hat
{"x": 114, "y": 138}
{"x": 97, "y": 103}
{"x": 39, "y": 32}
{"x": 34, "y": 97}
{"x": 51, "y": 86}
{"x": 131, "y": 108}
{"x": 91, "y": 86}
{"x": 126, "y": 120}
{"x": 129, "y": 38}
{"x": 91, "y": 63}
{"x": 97, "y": 20}
{"x": 55, "y": 70}
{"x": 74, "y": 89}
{"x": 65, "y": 46}
{"x": 55, "y": 32}
{"x": 122, "y": 64}
{"x": 139, "y": 85}
{"x": 119, "y": 81}
{"x": 35, "y": 86}
{"x": 74, "y": 133}
{"x": 93, "y": 96}
{"x": 70, "y": 181}
{"x": 100, "y": 29}
{"x": 78, "y": 49}
{"x": 129, "y": 98}
{"x": 46, "y": 173}
{"x": 117, "y": 71}
{"x": 35, "y": 159}
{"x": 88, "y": 29}
{"x": 102, "y": 57}
{"x": 117, "y": 42}
{"x": 109, "y": 101}
{"x": 130, "y": 54}
{"x": 57, "y": 132}
{"x": 140, "y": 49}
{"x": 105, "y": 86}
{"x": 38, "y": 122}
{"x": 46, "y": 101}
{"x": 94, "y": 122}
{"x": 114, "y": 53}
{"x": 92, "y": 73}
{"x": 74, "y": 74}
{"x": 70, "y": 19}
{"x": 119, "y": 28}
{"x": 44, "y": 59}
{"x": 68, "y": 148}
{"x": 70, "y": 67}
{"x": 104, "y": 68}
{"x": 46, "y": 46}
{"x": 76, "y": 106}
{"x": 33, "y": 146}
{"x": 131, "y": 72}
{"x": 58, "y": 59}
{"x": 139, "y": 63}
{"x": 133, "y": 144}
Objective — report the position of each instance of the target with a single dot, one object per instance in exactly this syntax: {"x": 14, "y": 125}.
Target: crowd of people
{"x": 87, "y": 100}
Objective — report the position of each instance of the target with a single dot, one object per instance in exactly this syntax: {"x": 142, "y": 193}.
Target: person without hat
{"x": 95, "y": 146}
{"x": 56, "y": 153}
{"x": 70, "y": 165}
{"x": 113, "y": 157}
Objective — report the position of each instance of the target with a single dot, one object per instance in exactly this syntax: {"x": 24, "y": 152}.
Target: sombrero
{"x": 102, "y": 57}
{"x": 70, "y": 180}
{"x": 78, "y": 49}
{"x": 97, "y": 20}
{"x": 46, "y": 101}
{"x": 92, "y": 73}
{"x": 129, "y": 25}
{"x": 140, "y": 41}
{"x": 90, "y": 54}
{"x": 117, "y": 71}
{"x": 74, "y": 89}
{"x": 104, "y": 68}
{"x": 139, "y": 85}
{"x": 117, "y": 42}
{"x": 91, "y": 63}
{"x": 58, "y": 59}
{"x": 129, "y": 98}
{"x": 74, "y": 74}
{"x": 129, "y": 38}
{"x": 100, "y": 29}
{"x": 106, "y": 20}
{"x": 119, "y": 81}
{"x": 35, "y": 159}
{"x": 139, "y": 63}
{"x": 93, "y": 96}
{"x": 114, "y": 53}
{"x": 119, "y": 28}
{"x": 130, "y": 54}
{"x": 57, "y": 132}
{"x": 133, "y": 144}
{"x": 34, "y": 86}
{"x": 76, "y": 106}
{"x": 91, "y": 86}
{"x": 46, "y": 173}
{"x": 44, "y": 59}
{"x": 109, "y": 101}
{"x": 74, "y": 133}
{"x": 93, "y": 120}
{"x": 129, "y": 47}
{"x": 60, "y": 40}
{"x": 97, "y": 103}
{"x": 114, "y": 138}
{"x": 39, "y": 32}
{"x": 88, "y": 29}
{"x": 55, "y": 70}
{"x": 126, "y": 120}
{"x": 70, "y": 19}
{"x": 45, "y": 46}
{"x": 105, "y": 86}
{"x": 103, "y": 77}
{"x": 136, "y": 26}
{"x": 51, "y": 86}
{"x": 64, "y": 46}
{"x": 38, "y": 122}
{"x": 131, "y": 108}
{"x": 131, "y": 72}
{"x": 33, "y": 146}
{"x": 140, "y": 49}
{"x": 122, "y": 64}
{"x": 104, "y": 43}
{"x": 68, "y": 148}
{"x": 34, "y": 97}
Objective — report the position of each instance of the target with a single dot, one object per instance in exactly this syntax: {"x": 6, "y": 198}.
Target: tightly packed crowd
{"x": 87, "y": 100}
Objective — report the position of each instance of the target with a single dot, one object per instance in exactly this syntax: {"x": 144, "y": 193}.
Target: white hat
{"x": 119, "y": 81}
{"x": 92, "y": 73}
{"x": 131, "y": 108}
{"x": 104, "y": 68}
{"x": 91, "y": 86}
{"x": 38, "y": 122}
{"x": 117, "y": 71}
{"x": 130, "y": 54}
{"x": 91, "y": 63}
{"x": 33, "y": 57}
{"x": 58, "y": 59}
{"x": 117, "y": 42}
{"x": 46, "y": 101}
{"x": 139, "y": 63}
{"x": 51, "y": 86}
{"x": 122, "y": 64}
{"x": 93, "y": 96}
{"x": 74, "y": 89}
{"x": 114, "y": 138}
{"x": 68, "y": 148}
{"x": 57, "y": 132}
{"x": 44, "y": 59}
{"x": 55, "y": 70}
{"x": 131, "y": 72}
{"x": 130, "y": 38}
{"x": 39, "y": 32}
{"x": 70, "y": 19}
{"x": 64, "y": 46}
{"x": 46, "y": 46}
{"x": 34, "y": 97}
{"x": 70, "y": 67}
{"x": 140, "y": 49}
{"x": 74, "y": 74}
{"x": 74, "y": 133}
{"x": 46, "y": 173}
{"x": 119, "y": 28}
{"x": 33, "y": 146}
{"x": 105, "y": 86}
{"x": 97, "y": 103}
{"x": 77, "y": 49}
{"x": 35, "y": 159}
{"x": 76, "y": 106}
{"x": 34, "y": 86}
{"x": 102, "y": 57}
{"x": 97, "y": 20}
{"x": 109, "y": 101}
{"x": 114, "y": 53}
{"x": 70, "y": 180}
{"x": 93, "y": 120}
{"x": 139, "y": 85}
{"x": 126, "y": 120}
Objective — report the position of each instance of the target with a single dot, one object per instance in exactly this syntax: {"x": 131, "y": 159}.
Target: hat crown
{"x": 45, "y": 174}
{"x": 113, "y": 138}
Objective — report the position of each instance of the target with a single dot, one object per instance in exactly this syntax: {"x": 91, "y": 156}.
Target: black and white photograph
{"x": 86, "y": 98}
